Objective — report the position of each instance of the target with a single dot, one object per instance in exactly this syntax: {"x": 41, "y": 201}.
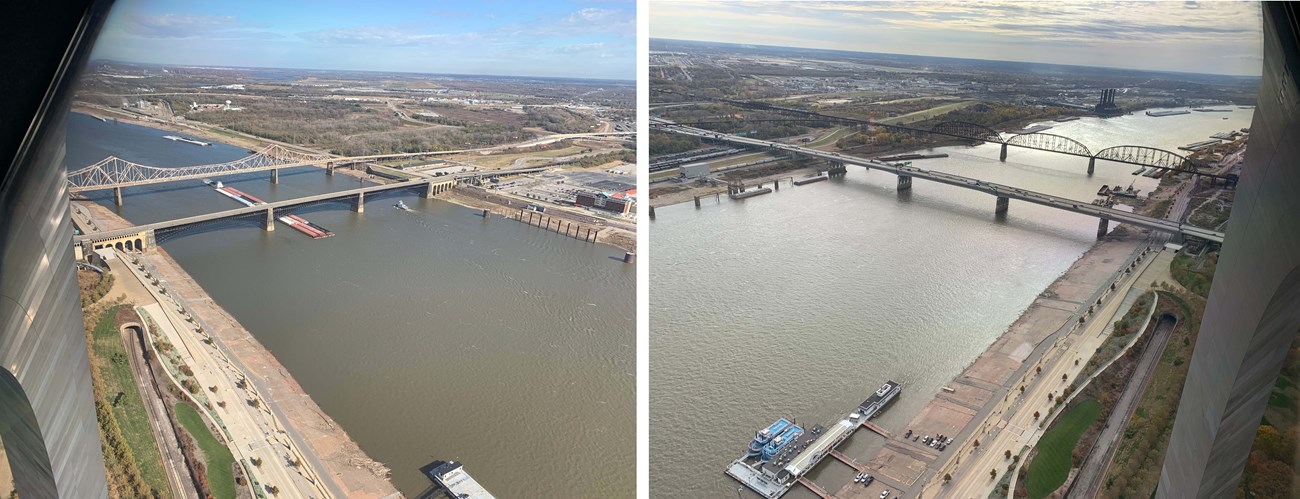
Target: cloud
{"x": 192, "y": 26}
{"x": 391, "y": 36}
{"x": 592, "y": 20}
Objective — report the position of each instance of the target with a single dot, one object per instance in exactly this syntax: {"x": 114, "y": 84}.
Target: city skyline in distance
{"x": 1221, "y": 38}
{"x": 585, "y": 40}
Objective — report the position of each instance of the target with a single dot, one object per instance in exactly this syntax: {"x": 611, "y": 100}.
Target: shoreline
{"x": 618, "y": 237}
{"x": 963, "y": 412}
{"x": 354, "y": 472}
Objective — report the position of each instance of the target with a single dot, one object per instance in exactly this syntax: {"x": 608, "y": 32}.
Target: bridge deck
{"x": 998, "y": 190}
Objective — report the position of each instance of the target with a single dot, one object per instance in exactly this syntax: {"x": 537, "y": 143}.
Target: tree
{"x": 1007, "y": 454}
{"x": 1049, "y": 397}
{"x": 976, "y": 444}
{"x": 1036, "y": 415}
{"x": 1038, "y": 370}
{"x": 1065, "y": 376}
{"x": 993, "y": 474}
{"x": 947, "y": 478}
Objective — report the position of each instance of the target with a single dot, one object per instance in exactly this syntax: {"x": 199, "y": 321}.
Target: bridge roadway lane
{"x": 960, "y": 181}
{"x": 204, "y": 171}
{"x": 288, "y": 203}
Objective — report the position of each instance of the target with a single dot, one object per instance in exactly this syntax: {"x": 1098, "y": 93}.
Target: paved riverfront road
{"x": 249, "y": 433}
{"x": 1018, "y": 427}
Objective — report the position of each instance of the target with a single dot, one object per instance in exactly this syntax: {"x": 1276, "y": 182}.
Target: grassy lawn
{"x": 926, "y": 114}
{"x": 221, "y": 477}
{"x": 1052, "y": 465}
{"x": 109, "y": 355}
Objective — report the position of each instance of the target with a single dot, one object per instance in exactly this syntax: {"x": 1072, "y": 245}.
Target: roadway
{"x": 289, "y": 203}
{"x": 999, "y": 190}
{"x": 1017, "y": 427}
{"x": 149, "y": 175}
{"x": 163, "y": 431}
{"x": 1087, "y": 483}
{"x": 251, "y": 432}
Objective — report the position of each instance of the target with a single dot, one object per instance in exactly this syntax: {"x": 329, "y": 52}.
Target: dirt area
{"x": 950, "y": 413}
{"x": 619, "y": 234}
{"x": 355, "y": 473}
{"x": 6, "y": 475}
{"x": 672, "y": 193}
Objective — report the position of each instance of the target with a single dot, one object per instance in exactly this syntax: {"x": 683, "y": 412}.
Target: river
{"x": 800, "y": 303}
{"x": 429, "y": 334}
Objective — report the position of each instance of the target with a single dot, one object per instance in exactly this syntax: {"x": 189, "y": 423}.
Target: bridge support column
{"x": 359, "y": 205}
{"x": 1003, "y": 156}
{"x": 270, "y": 220}
{"x": 117, "y": 196}
{"x": 697, "y": 201}
{"x": 1001, "y": 206}
{"x": 836, "y": 169}
{"x": 150, "y": 240}
{"x": 275, "y": 176}
{"x": 904, "y": 183}
{"x": 1092, "y": 164}
{"x": 1103, "y": 226}
{"x": 430, "y": 190}
{"x": 329, "y": 168}
{"x": 652, "y": 213}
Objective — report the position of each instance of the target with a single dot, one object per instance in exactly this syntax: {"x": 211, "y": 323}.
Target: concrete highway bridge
{"x": 1150, "y": 157}
{"x": 143, "y": 237}
{"x": 1003, "y": 193}
{"x": 115, "y": 173}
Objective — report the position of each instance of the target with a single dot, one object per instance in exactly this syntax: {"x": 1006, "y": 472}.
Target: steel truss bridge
{"x": 115, "y": 173}
{"x": 1002, "y": 192}
{"x": 1131, "y": 154}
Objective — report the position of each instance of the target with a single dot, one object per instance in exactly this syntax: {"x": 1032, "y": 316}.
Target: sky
{"x": 1193, "y": 37}
{"x": 553, "y": 38}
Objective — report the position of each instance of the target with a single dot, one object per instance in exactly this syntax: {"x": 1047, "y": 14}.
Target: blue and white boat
{"x": 780, "y": 441}
{"x": 765, "y": 435}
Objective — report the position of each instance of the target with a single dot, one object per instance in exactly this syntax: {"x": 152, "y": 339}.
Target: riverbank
{"x": 962, "y": 412}
{"x": 355, "y": 473}
{"x": 622, "y": 236}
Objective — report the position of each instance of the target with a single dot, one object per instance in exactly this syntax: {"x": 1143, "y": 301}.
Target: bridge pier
{"x": 329, "y": 168}
{"x": 275, "y": 176}
{"x": 359, "y": 205}
{"x": 904, "y": 183}
{"x": 430, "y": 190}
{"x": 1003, "y": 156}
{"x": 1103, "y": 226}
{"x": 697, "y": 201}
{"x": 1092, "y": 164}
{"x": 836, "y": 169}
{"x": 1001, "y": 206}
{"x": 117, "y": 196}
{"x": 270, "y": 220}
{"x": 652, "y": 213}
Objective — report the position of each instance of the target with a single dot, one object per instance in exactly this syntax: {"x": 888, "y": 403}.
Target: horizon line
{"x": 1260, "y": 76}
{"x": 633, "y": 80}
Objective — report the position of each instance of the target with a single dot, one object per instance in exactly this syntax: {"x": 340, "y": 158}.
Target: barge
{"x": 782, "y": 453}
{"x": 178, "y": 138}
{"x": 1172, "y": 112}
{"x": 752, "y": 193}
{"x": 451, "y": 479}
{"x": 294, "y": 221}
{"x": 809, "y": 180}
{"x": 903, "y": 157}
